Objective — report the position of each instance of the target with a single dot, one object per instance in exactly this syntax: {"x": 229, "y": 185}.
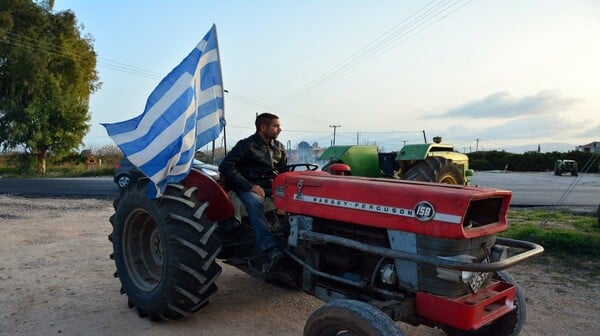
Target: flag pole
{"x": 222, "y": 93}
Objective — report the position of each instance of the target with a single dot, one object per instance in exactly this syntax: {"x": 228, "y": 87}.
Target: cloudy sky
{"x": 482, "y": 74}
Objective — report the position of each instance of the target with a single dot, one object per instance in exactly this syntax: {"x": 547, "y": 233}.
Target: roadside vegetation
{"x": 531, "y": 161}
{"x": 90, "y": 162}
{"x": 79, "y": 170}
{"x": 572, "y": 239}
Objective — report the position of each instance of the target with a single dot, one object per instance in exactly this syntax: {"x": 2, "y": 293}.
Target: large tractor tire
{"x": 509, "y": 324}
{"x": 164, "y": 250}
{"x": 350, "y": 318}
{"x": 436, "y": 169}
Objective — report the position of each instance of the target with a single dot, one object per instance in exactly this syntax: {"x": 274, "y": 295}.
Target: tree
{"x": 110, "y": 154}
{"x": 47, "y": 74}
{"x": 109, "y": 150}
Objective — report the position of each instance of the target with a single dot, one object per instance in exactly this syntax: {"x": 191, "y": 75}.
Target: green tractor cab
{"x": 429, "y": 162}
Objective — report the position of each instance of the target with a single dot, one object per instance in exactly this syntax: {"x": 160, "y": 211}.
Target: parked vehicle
{"x": 428, "y": 162}
{"x": 125, "y": 172}
{"x": 565, "y": 166}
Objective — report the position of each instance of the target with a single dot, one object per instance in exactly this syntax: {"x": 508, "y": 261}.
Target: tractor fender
{"x": 421, "y": 151}
{"x": 209, "y": 190}
{"x": 363, "y": 160}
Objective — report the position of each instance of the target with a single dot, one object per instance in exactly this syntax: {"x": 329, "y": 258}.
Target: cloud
{"x": 592, "y": 132}
{"x": 528, "y": 127}
{"x": 501, "y": 105}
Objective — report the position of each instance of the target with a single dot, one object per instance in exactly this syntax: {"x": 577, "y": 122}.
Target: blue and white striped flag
{"x": 182, "y": 114}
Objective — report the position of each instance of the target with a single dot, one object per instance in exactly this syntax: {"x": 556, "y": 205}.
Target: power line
{"x": 399, "y": 33}
{"x": 43, "y": 46}
{"x": 341, "y": 66}
{"x": 53, "y": 49}
{"x": 382, "y": 43}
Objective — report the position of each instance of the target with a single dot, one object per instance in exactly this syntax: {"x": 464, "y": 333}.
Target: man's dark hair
{"x": 264, "y": 119}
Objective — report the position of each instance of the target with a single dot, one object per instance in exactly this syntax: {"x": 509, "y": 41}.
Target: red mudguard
{"x": 209, "y": 190}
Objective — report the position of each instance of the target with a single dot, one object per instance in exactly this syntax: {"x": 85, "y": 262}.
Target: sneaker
{"x": 273, "y": 258}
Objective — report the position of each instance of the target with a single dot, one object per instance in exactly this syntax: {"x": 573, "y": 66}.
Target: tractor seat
{"x": 239, "y": 209}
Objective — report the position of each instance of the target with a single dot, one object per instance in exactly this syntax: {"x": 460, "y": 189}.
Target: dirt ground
{"x": 56, "y": 278}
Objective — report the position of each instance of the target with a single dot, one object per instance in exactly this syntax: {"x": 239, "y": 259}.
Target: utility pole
{"x": 334, "y": 128}
{"x": 477, "y": 146}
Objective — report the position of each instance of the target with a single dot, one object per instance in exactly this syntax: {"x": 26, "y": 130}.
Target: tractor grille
{"x": 483, "y": 212}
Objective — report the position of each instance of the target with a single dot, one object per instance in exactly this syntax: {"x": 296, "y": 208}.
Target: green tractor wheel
{"x": 436, "y": 169}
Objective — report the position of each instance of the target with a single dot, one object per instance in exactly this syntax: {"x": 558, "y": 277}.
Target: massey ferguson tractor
{"x": 377, "y": 250}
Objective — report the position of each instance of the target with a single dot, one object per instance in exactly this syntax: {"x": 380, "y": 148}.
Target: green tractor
{"x": 428, "y": 162}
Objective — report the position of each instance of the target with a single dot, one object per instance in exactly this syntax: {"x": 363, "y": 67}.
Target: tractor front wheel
{"x": 350, "y": 317}
{"x": 436, "y": 169}
{"x": 164, "y": 250}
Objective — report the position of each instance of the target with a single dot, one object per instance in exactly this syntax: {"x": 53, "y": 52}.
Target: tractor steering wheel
{"x": 292, "y": 167}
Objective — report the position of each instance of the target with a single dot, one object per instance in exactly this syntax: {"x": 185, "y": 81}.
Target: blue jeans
{"x": 256, "y": 216}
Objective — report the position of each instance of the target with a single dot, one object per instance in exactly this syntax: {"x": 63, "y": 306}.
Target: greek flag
{"x": 182, "y": 114}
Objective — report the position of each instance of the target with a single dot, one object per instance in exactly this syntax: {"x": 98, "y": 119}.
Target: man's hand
{"x": 258, "y": 190}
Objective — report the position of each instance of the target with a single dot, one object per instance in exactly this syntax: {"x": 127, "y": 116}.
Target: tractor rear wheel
{"x": 164, "y": 250}
{"x": 436, "y": 169}
{"x": 509, "y": 324}
{"x": 350, "y": 318}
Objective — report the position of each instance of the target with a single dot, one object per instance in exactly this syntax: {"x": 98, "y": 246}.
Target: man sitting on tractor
{"x": 249, "y": 169}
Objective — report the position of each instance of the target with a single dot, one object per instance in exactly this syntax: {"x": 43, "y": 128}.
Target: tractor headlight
{"x": 456, "y": 275}
{"x": 474, "y": 279}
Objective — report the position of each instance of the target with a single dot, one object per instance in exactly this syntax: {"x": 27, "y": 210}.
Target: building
{"x": 304, "y": 153}
{"x": 592, "y": 147}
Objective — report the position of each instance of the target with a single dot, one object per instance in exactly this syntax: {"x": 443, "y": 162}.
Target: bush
{"x": 531, "y": 161}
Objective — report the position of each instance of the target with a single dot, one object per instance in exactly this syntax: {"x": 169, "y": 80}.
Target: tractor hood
{"x": 439, "y": 210}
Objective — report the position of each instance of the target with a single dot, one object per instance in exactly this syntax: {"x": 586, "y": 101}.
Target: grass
{"x": 571, "y": 241}
{"x": 79, "y": 170}
{"x": 562, "y": 233}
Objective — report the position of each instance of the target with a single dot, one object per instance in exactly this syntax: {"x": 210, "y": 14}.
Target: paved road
{"x": 544, "y": 189}
{"x": 102, "y": 187}
{"x": 529, "y": 189}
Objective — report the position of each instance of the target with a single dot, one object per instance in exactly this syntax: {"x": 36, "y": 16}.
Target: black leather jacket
{"x": 252, "y": 161}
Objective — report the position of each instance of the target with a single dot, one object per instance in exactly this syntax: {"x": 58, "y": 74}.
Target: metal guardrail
{"x": 531, "y": 249}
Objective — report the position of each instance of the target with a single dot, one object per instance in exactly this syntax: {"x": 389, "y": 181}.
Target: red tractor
{"x": 376, "y": 250}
